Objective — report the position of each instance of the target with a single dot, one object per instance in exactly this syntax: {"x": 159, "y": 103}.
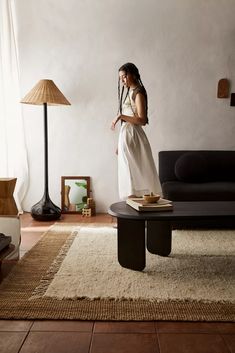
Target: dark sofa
{"x": 202, "y": 175}
{"x": 198, "y": 176}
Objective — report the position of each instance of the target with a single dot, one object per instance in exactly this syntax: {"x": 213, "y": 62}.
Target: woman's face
{"x": 126, "y": 79}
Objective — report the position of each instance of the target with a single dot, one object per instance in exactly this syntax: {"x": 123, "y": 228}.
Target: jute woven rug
{"x": 25, "y": 293}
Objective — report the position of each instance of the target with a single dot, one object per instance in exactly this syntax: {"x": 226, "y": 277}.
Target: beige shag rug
{"x": 72, "y": 273}
{"x": 201, "y": 267}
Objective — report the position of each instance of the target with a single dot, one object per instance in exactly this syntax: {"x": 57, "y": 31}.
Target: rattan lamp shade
{"x": 45, "y": 91}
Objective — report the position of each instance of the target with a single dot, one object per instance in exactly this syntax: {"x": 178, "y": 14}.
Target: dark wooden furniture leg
{"x": 159, "y": 237}
{"x": 131, "y": 243}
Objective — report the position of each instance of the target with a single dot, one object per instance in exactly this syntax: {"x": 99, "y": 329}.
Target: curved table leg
{"x": 159, "y": 237}
{"x": 131, "y": 243}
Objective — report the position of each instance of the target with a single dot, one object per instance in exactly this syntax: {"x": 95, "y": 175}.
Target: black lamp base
{"x": 45, "y": 210}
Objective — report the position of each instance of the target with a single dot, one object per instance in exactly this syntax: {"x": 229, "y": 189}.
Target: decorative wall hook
{"x": 223, "y": 88}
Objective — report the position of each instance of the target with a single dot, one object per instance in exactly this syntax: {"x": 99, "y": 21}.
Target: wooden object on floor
{"x": 86, "y": 212}
{"x": 91, "y": 205}
{"x": 7, "y": 202}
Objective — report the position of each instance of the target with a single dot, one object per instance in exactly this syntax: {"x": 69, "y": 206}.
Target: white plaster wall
{"x": 182, "y": 48}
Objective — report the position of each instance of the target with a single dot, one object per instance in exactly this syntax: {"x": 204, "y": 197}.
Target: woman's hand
{"x": 115, "y": 121}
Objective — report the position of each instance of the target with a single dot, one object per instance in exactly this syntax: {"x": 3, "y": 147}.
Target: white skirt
{"x": 137, "y": 174}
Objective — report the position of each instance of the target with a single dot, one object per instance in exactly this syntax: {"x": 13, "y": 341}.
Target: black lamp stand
{"x": 45, "y": 209}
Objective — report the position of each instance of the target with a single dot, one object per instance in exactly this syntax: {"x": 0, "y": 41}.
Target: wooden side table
{"x": 7, "y": 202}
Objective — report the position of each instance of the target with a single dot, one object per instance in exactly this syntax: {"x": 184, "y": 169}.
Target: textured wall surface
{"x": 182, "y": 48}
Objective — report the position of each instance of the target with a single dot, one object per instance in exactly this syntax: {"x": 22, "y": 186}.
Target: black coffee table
{"x": 131, "y": 226}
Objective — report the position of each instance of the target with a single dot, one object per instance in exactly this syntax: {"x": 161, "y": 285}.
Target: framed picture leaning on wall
{"x": 75, "y": 190}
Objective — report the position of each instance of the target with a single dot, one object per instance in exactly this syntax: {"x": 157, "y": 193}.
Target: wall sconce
{"x": 223, "y": 88}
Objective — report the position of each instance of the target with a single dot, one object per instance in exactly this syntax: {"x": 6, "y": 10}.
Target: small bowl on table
{"x": 151, "y": 198}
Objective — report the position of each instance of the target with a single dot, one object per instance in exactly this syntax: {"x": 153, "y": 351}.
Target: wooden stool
{"x": 7, "y": 202}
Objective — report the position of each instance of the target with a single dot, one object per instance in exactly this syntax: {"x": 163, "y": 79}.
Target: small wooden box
{"x": 86, "y": 212}
{"x": 223, "y": 88}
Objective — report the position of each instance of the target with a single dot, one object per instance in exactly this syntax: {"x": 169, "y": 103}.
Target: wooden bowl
{"x": 151, "y": 198}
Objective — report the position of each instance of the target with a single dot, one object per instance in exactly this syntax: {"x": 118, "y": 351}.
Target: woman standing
{"x": 137, "y": 173}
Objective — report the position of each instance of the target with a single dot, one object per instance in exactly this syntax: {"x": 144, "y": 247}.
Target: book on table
{"x": 141, "y": 205}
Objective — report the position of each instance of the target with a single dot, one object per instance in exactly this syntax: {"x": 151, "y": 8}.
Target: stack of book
{"x": 141, "y": 205}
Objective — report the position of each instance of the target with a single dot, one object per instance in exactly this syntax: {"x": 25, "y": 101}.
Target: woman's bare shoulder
{"x": 138, "y": 90}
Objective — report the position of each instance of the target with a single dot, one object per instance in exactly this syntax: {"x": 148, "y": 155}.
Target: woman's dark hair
{"x": 131, "y": 69}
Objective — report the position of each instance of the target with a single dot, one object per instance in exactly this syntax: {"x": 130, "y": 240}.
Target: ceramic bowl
{"x": 151, "y": 198}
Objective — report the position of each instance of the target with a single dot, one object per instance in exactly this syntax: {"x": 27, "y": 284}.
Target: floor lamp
{"x": 45, "y": 93}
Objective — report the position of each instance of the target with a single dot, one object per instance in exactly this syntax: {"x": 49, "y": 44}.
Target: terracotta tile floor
{"x": 19, "y": 336}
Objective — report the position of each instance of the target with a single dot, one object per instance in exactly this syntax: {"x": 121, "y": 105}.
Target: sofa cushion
{"x": 191, "y": 167}
{"x": 222, "y": 166}
{"x": 210, "y": 191}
